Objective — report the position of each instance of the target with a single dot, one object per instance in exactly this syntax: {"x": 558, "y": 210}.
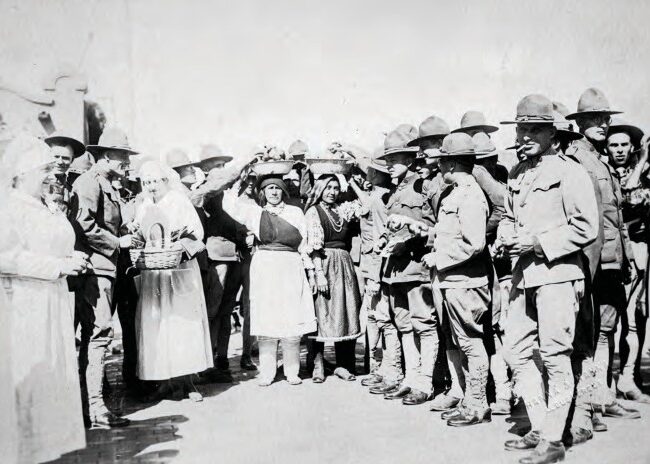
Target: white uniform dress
{"x": 33, "y": 243}
{"x": 172, "y": 329}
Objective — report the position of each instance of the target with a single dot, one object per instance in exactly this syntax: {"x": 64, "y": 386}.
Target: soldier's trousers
{"x": 391, "y": 361}
{"x": 93, "y": 308}
{"x": 610, "y": 299}
{"x": 224, "y": 280}
{"x": 411, "y": 307}
{"x": 467, "y": 310}
{"x": 543, "y": 319}
{"x": 373, "y": 337}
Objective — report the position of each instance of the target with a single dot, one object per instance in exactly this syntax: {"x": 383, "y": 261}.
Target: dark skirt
{"x": 338, "y": 312}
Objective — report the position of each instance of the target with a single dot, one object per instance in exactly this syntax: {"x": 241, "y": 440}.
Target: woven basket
{"x": 156, "y": 258}
{"x": 266, "y": 168}
{"x": 320, "y": 166}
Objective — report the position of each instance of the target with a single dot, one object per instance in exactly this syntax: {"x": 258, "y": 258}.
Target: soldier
{"x": 614, "y": 266}
{"x": 489, "y": 179}
{"x": 550, "y": 215}
{"x": 461, "y": 266}
{"x": 405, "y": 280}
{"x": 431, "y": 133}
{"x": 64, "y": 150}
{"x": 627, "y": 150}
{"x": 96, "y": 216}
{"x": 474, "y": 122}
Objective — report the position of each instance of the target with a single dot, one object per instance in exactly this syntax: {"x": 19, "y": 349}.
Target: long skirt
{"x": 171, "y": 323}
{"x": 281, "y": 303}
{"x": 44, "y": 369}
{"x": 337, "y": 313}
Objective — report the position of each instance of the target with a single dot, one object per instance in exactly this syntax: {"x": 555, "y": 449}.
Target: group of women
{"x": 302, "y": 278}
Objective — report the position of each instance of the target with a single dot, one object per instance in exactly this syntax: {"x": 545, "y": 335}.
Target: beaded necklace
{"x": 336, "y": 225}
{"x": 275, "y": 210}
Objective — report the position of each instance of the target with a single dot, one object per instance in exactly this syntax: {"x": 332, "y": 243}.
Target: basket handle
{"x": 162, "y": 233}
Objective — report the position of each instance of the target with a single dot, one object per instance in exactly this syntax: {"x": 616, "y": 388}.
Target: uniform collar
{"x": 409, "y": 178}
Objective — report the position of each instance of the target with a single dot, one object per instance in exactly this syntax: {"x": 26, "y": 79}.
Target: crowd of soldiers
{"x": 483, "y": 281}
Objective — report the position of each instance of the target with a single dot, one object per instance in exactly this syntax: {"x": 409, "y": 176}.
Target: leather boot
{"x": 471, "y": 417}
{"x": 619, "y": 411}
{"x": 384, "y": 387}
{"x": 597, "y": 423}
{"x": 415, "y": 397}
{"x": 371, "y": 380}
{"x": 452, "y": 413}
{"x": 401, "y": 392}
{"x": 547, "y": 452}
{"x": 444, "y": 402}
{"x": 528, "y": 441}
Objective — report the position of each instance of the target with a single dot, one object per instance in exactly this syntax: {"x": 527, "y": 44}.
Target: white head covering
{"x": 157, "y": 170}
{"x": 23, "y": 154}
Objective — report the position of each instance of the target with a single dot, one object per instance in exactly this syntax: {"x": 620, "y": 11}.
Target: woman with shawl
{"x": 281, "y": 305}
{"x": 337, "y": 290}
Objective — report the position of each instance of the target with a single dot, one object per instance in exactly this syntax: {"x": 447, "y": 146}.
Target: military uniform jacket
{"x": 96, "y": 217}
{"x": 611, "y": 250}
{"x": 550, "y": 197}
{"x": 405, "y": 265}
{"x": 458, "y": 239}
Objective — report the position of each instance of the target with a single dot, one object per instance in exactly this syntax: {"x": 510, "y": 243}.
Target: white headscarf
{"x": 23, "y": 154}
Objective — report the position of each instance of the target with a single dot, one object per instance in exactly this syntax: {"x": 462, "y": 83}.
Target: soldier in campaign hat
{"x": 99, "y": 235}
{"x": 611, "y": 259}
{"x": 550, "y": 216}
{"x": 627, "y": 151}
{"x": 460, "y": 268}
{"x": 405, "y": 283}
{"x": 473, "y": 122}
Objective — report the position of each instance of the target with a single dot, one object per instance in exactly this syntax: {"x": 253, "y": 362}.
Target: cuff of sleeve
{"x": 430, "y": 237}
{"x": 537, "y": 247}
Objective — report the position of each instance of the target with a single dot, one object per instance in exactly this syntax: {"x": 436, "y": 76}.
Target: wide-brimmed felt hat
{"x": 483, "y": 146}
{"x": 113, "y": 138}
{"x": 431, "y": 128}
{"x": 365, "y": 164}
{"x": 298, "y": 150}
{"x": 592, "y": 101}
{"x": 397, "y": 141}
{"x": 211, "y": 152}
{"x": 533, "y": 109}
{"x": 457, "y": 144}
{"x": 564, "y": 128}
{"x": 60, "y": 138}
{"x": 619, "y": 125}
{"x": 81, "y": 164}
{"x": 177, "y": 159}
{"x": 475, "y": 120}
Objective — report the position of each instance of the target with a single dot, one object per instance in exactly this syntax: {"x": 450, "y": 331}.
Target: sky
{"x": 182, "y": 73}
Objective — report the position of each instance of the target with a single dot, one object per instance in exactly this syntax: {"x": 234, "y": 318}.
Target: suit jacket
{"x": 551, "y": 198}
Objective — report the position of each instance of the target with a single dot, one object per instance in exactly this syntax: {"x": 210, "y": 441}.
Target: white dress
{"x": 172, "y": 328}
{"x": 42, "y": 342}
{"x": 281, "y": 302}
